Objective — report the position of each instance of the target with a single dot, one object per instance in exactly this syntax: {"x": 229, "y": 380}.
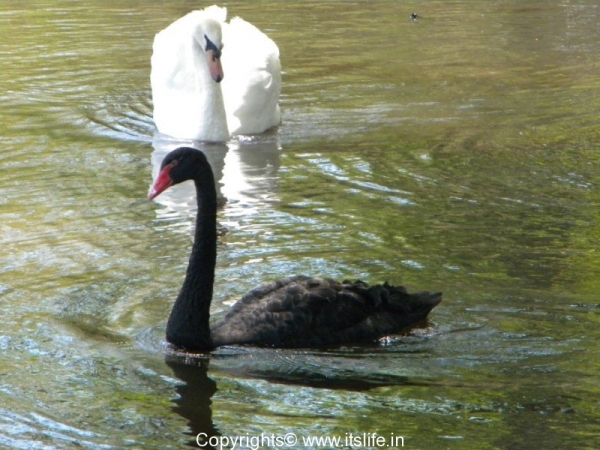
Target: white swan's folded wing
{"x": 252, "y": 82}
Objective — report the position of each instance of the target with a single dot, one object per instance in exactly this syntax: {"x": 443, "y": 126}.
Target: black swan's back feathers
{"x": 307, "y": 312}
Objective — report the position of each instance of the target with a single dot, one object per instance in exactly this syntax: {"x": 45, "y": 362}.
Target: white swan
{"x": 190, "y": 58}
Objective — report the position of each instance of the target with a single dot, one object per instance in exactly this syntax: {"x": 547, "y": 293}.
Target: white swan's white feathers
{"x": 189, "y": 104}
{"x": 252, "y": 80}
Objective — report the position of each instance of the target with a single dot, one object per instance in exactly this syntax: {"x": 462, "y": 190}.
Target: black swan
{"x": 294, "y": 312}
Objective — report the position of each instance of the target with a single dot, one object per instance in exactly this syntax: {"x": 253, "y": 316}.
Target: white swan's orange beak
{"x": 163, "y": 181}
{"x": 214, "y": 65}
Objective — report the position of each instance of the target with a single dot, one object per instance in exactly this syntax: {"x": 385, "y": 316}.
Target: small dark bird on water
{"x": 297, "y": 311}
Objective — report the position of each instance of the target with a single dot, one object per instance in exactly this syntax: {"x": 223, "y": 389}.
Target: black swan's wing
{"x": 306, "y": 312}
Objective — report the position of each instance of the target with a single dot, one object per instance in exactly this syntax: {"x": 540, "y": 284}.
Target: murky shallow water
{"x": 458, "y": 153}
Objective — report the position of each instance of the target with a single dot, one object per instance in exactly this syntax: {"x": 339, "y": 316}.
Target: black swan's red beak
{"x": 163, "y": 181}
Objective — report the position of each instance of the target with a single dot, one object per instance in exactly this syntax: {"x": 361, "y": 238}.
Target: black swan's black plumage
{"x": 294, "y": 312}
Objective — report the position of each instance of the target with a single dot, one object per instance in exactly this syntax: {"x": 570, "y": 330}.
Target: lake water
{"x": 458, "y": 153}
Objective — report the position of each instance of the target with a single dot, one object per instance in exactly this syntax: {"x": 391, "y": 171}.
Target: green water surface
{"x": 457, "y": 153}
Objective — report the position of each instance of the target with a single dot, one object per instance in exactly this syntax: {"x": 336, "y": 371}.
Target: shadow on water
{"x": 327, "y": 368}
{"x": 193, "y": 400}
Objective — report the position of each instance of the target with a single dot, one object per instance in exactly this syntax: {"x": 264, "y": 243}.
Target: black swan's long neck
{"x": 188, "y": 324}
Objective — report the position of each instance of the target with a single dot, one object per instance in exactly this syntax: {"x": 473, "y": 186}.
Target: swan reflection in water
{"x": 244, "y": 170}
{"x": 331, "y": 369}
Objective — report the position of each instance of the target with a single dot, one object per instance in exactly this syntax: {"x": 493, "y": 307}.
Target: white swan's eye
{"x": 210, "y": 45}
